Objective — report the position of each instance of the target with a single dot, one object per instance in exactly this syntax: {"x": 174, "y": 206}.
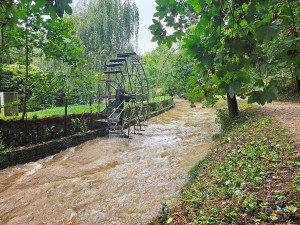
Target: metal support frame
{"x": 126, "y": 95}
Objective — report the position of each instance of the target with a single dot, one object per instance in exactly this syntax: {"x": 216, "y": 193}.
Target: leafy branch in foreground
{"x": 225, "y": 38}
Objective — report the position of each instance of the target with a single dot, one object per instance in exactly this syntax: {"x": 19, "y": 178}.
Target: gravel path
{"x": 287, "y": 114}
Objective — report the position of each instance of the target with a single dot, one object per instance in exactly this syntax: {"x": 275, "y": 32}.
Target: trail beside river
{"x": 287, "y": 114}
{"x": 110, "y": 181}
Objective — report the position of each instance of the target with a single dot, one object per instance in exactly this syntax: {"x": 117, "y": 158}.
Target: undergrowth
{"x": 250, "y": 177}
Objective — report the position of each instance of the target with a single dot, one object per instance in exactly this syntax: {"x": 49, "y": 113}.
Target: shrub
{"x": 223, "y": 118}
{"x": 34, "y": 116}
{"x": 158, "y": 106}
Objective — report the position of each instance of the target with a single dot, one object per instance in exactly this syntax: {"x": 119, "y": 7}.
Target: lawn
{"x": 75, "y": 109}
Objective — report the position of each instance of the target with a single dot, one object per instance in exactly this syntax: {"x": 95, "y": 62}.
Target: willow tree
{"x": 106, "y": 27}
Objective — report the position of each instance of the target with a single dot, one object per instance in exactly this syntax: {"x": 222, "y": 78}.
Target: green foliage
{"x": 79, "y": 109}
{"x": 227, "y": 123}
{"x": 77, "y": 126}
{"x": 164, "y": 211}
{"x": 171, "y": 102}
{"x": 193, "y": 173}
{"x": 177, "y": 78}
{"x": 159, "y": 62}
{"x": 158, "y": 106}
{"x": 12, "y": 12}
{"x": 108, "y": 27}
{"x": 229, "y": 39}
{"x": 35, "y": 116}
{"x": 53, "y": 37}
{"x": 250, "y": 204}
{"x": 210, "y": 101}
{"x": 105, "y": 28}
{"x": 13, "y": 80}
{"x": 216, "y": 136}
{"x": 223, "y": 118}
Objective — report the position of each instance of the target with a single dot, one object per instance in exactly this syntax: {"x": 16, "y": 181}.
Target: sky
{"x": 146, "y": 11}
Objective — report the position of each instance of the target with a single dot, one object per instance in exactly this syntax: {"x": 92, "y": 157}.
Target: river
{"x": 110, "y": 180}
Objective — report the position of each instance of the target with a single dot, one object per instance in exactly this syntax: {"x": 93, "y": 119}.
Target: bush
{"x": 210, "y": 101}
{"x": 223, "y": 118}
{"x": 158, "y": 106}
{"x": 77, "y": 126}
{"x": 228, "y": 123}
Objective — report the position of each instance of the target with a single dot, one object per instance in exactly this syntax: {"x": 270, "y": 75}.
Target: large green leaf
{"x": 267, "y": 33}
{"x": 68, "y": 9}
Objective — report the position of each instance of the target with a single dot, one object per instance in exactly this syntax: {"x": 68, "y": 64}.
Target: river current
{"x": 110, "y": 180}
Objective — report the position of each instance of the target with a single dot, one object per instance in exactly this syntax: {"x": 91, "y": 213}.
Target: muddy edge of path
{"x": 287, "y": 115}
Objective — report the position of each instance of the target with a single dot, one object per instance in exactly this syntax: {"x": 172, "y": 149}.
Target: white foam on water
{"x": 35, "y": 167}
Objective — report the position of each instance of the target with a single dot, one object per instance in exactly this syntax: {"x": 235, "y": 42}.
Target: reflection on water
{"x": 109, "y": 181}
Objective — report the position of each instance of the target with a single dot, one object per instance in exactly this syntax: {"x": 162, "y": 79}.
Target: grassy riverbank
{"x": 75, "y": 109}
{"x": 250, "y": 177}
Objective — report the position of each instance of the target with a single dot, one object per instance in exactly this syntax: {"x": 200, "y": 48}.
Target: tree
{"x": 178, "y": 77}
{"x": 158, "y": 63}
{"x": 7, "y": 12}
{"x": 105, "y": 28}
{"x": 51, "y": 37}
{"x": 12, "y": 13}
{"x": 225, "y": 41}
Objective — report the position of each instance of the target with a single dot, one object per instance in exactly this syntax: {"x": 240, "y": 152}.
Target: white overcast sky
{"x": 146, "y": 10}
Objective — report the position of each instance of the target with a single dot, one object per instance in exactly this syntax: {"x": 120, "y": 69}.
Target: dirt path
{"x": 287, "y": 114}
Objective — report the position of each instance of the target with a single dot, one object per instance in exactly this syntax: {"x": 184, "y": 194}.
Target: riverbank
{"x": 250, "y": 177}
{"x": 31, "y": 153}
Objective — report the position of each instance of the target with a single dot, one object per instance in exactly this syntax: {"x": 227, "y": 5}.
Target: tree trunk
{"x": 26, "y": 75}
{"x": 296, "y": 35}
{"x": 1, "y": 61}
{"x": 91, "y": 114}
{"x": 298, "y": 84}
{"x": 91, "y": 105}
{"x": 232, "y": 106}
{"x": 296, "y": 78}
{"x": 66, "y": 115}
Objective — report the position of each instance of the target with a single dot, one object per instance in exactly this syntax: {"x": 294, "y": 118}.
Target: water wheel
{"x": 126, "y": 95}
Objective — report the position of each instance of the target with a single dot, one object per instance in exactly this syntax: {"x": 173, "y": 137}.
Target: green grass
{"x": 79, "y": 109}
{"x": 222, "y": 103}
{"x": 158, "y": 98}
{"x": 75, "y": 109}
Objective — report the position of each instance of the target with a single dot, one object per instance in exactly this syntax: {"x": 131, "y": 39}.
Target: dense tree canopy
{"x": 34, "y": 36}
{"x": 227, "y": 39}
{"x": 169, "y": 70}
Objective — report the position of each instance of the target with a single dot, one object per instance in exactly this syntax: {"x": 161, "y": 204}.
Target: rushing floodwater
{"x": 109, "y": 181}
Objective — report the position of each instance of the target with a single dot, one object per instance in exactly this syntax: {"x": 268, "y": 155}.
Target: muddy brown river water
{"x": 109, "y": 180}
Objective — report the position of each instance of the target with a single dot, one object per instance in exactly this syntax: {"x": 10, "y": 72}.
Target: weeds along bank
{"x": 250, "y": 177}
{"x": 25, "y": 141}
